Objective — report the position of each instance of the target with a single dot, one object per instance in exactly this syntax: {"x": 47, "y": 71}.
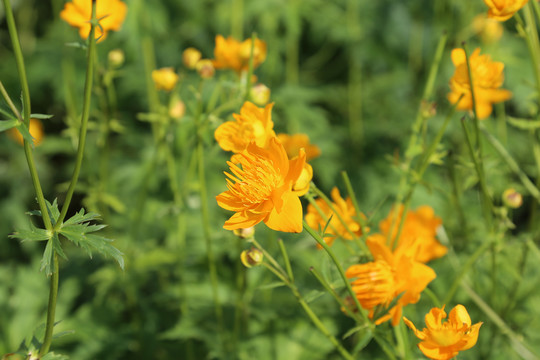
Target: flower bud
{"x": 165, "y": 78}
{"x": 260, "y": 94}
{"x": 512, "y": 198}
{"x": 116, "y": 58}
{"x": 205, "y": 68}
{"x": 177, "y": 109}
{"x": 251, "y": 257}
{"x": 245, "y": 233}
{"x": 190, "y": 57}
{"x": 35, "y": 129}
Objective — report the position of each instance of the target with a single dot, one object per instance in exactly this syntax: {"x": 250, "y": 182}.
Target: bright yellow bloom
{"x": 165, "y": 78}
{"x": 344, "y": 208}
{"x": 391, "y": 273}
{"x": 487, "y": 79}
{"x": 35, "y": 129}
{"x": 444, "y": 341}
{"x": 190, "y": 57}
{"x": 110, "y": 13}
{"x": 252, "y": 124}
{"x": 490, "y": 30}
{"x": 293, "y": 143}
{"x": 301, "y": 186}
{"x": 421, "y": 227}
{"x": 503, "y": 10}
{"x": 262, "y": 189}
{"x": 232, "y": 54}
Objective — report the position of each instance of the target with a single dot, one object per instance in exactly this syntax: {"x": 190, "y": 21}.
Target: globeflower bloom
{"x": 443, "y": 341}
{"x": 252, "y": 124}
{"x": 232, "y": 54}
{"x": 293, "y": 143}
{"x": 503, "y": 10}
{"x": 35, "y": 129}
{"x": 262, "y": 189}
{"x": 389, "y": 275}
{"x": 165, "y": 78}
{"x": 110, "y": 13}
{"x": 487, "y": 79}
{"x": 346, "y": 211}
{"x": 421, "y": 227}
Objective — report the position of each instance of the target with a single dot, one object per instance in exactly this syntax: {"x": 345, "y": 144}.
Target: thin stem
{"x": 51, "y": 309}
{"x": 286, "y": 259}
{"x": 8, "y": 100}
{"x": 250, "y": 66}
{"x": 84, "y": 120}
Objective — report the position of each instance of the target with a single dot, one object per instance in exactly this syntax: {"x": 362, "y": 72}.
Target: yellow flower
{"x": 301, "y": 186}
{"x": 444, "y": 341}
{"x": 231, "y": 54}
{"x": 344, "y": 208}
{"x": 503, "y": 10}
{"x": 487, "y": 79}
{"x": 392, "y": 273}
{"x": 490, "y": 30}
{"x": 261, "y": 189}
{"x": 293, "y": 143}
{"x": 421, "y": 227}
{"x": 260, "y": 94}
{"x": 252, "y": 124}
{"x": 35, "y": 129}
{"x": 165, "y": 78}
{"x": 190, "y": 57}
{"x": 205, "y": 68}
{"x": 79, "y": 12}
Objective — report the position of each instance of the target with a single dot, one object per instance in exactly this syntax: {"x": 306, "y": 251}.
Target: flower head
{"x": 35, "y": 129}
{"x": 252, "y": 124}
{"x": 421, "y": 227}
{"x": 110, "y": 13}
{"x": 443, "y": 341}
{"x": 165, "y": 78}
{"x": 503, "y": 10}
{"x": 232, "y": 54}
{"x": 293, "y": 143}
{"x": 262, "y": 189}
{"x": 190, "y": 57}
{"x": 490, "y": 30}
{"x": 487, "y": 79}
{"x": 346, "y": 211}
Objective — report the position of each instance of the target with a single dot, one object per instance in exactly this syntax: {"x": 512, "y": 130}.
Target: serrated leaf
{"x": 8, "y": 124}
{"x": 41, "y": 116}
{"x": 53, "y": 356}
{"x": 81, "y": 217}
{"x": 63, "y": 333}
{"x": 23, "y": 129}
{"x": 54, "y": 213}
{"x": 47, "y": 259}
{"x": 57, "y": 246}
{"x": 524, "y": 124}
{"x": 33, "y": 234}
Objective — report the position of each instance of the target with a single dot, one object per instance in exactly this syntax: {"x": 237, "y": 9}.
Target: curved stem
{"x": 51, "y": 309}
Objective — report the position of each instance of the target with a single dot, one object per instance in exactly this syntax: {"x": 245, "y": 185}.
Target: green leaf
{"x": 81, "y": 217}
{"x": 53, "y": 356}
{"x": 54, "y": 213}
{"x": 47, "y": 259}
{"x": 57, "y": 246}
{"x": 8, "y": 124}
{"x": 23, "y": 129}
{"x": 41, "y": 116}
{"x": 33, "y": 234}
{"x": 524, "y": 124}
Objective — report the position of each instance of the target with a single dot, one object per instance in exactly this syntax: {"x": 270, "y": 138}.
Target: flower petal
{"x": 290, "y": 217}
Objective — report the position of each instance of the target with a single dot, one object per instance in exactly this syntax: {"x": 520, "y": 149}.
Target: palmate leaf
{"x": 32, "y": 234}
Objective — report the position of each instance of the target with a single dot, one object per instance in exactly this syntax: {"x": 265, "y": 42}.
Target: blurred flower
{"x": 420, "y": 226}
{"x": 503, "y": 10}
{"x": 231, "y": 54}
{"x": 165, "y": 78}
{"x": 245, "y": 233}
{"x": 512, "y": 198}
{"x": 190, "y": 57}
{"x": 252, "y": 124}
{"x": 389, "y": 275}
{"x": 487, "y": 79}
{"x": 261, "y": 190}
{"x": 293, "y": 144}
{"x": 490, "y": 30}
{"x": 205, "y": 68}
{"x": 344, "y": 208}
{"x": 444, "y": 341}
{"x": 301, "y": 186}
{"x": 251, "y": 257}
{"x": 177, "y": 109}
{"x": 110, "y": 13}
{"x": 260, "y": 94}
{"x": 35, "y": 129}
{"x": 116, "y": 58}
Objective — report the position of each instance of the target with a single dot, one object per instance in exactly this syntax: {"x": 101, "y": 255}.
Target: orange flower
{"x": 262, "y": 189}
{"x": 487, "y": 79}
{"x": 110, "y": 13}
{"x": 293, "y": 143}
{"x": 420, "y": 226}
{"x": 444, "y": 341}
{"x": 231, "y": 54}
{"x": 344, "y": 208}
{"x": 35, "y": 129}
{"x": 165, "y": 78}
{"x": 503, "y": 10}
{"x": 253, "y": 124}
{"x": 391, "y": 274}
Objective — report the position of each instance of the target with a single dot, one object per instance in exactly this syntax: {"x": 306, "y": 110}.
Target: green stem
{"x": 51, "y": 309}
{"x": 10, "y": 103}
{"x": 250, "y": 67}
{"x": 286, "y": 260}
{"x": 84, "y": 120}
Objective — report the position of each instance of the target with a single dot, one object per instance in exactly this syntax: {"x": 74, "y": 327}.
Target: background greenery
{"x": 350, "y": 74}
